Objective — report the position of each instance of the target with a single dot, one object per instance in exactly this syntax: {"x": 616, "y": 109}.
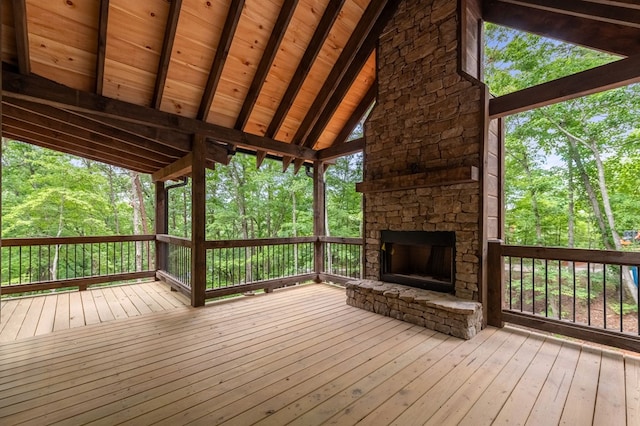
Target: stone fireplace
{"x": 430, "y": 166}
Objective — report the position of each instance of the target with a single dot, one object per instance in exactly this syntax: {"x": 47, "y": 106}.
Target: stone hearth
{"x": 433, "y": 310}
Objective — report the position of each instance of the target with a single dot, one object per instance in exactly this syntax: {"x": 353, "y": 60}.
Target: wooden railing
{"x": 586, "y": 294}
{"x": 174, "y": 261}
{"x": 35, "y": 264}
{"x": 342, "y": 258}
{"x": 242, "y": 265}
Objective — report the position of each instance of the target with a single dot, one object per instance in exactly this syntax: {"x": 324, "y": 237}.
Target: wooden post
{"x": 495, "y": 283}
{"x": 161, "y": 225}
{"x": 319, "y": 216}
{"x": 198, "y": 251}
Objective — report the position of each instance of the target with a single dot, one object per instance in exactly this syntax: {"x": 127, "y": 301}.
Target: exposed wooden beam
{"x": 177, "y": 169}
{"x": 22, "y": 35}
{"x": 80, "y": 148}
{"x": 222, "y": 50}
{"x": 329, "y": 17}
{"x": 343, "y": 65}
{"x": 165, "y": 55}
{"x": 95, "y": 141}
{"x": 342, "y": 88}
{"x": 341, "y": 150}
{"x": 67, "y": 119}
{"x": 270, "y": 51}
{"x": 605, "y": 77}
{"x": 170, "y": 138}
{"x": 612, "y": 12}
{"x": 604, "y": 36}
{"x": 286, "y": 162}
{"x": 102, "y": 45}
{"x": 39, "y": 90}
{"x": 297, "y": 164}
{"x": 217, "y": 153}
{"x": 357, "y": 114}
{"x": 260, "y": 156}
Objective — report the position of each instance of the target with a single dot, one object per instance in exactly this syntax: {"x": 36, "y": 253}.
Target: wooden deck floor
{"x": 34, "y": 316}
{"x": 302, "y": 356}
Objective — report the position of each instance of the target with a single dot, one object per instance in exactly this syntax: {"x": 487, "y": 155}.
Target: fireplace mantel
{"x": 451, "y": 176}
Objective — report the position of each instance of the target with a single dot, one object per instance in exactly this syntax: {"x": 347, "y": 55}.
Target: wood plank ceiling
{"x": 128, "y": 82}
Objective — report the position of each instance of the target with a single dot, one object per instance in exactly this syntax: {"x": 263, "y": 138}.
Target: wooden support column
{"x": 495, "y": 284}
{"x": 319, "y": 216}
{"x": 161, "y": 225}
{"x": 198, "y": 251}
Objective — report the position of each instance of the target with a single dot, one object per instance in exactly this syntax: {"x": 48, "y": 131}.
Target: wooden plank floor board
{"x": 15, "y": 321}
{"x": 489, "y": 404}
{"x": 299, "y": 356}
{"x": 76, "y": 311}
{"x": 48, "y": 315}
{"x": 610, "y": 402}
{"x": 91, "y": 315}
{"x": 581, "y": 399}
{"x": 550, "y": 402}
{"x": 8, "y": 306}
{"x": 632, "y": 381}
{"x": 31, "y": 318}
{"x": 523, "y": 396}
{"x": 461, "y": 401}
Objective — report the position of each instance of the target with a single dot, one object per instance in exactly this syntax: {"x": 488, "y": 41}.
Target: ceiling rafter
{"x": 341, "y": 150}
{"x": 40, "y": 90}
{"x": 611, "y": 13}
{"x": 55, "y": 119}
{"x": 102, "y": 45}
{"x": 165, "y": 55}
{"x": 343, "y": 64}
{"x": 604, "y": 36}
{"x": 80, "y": 141}
{"x": 270, "y": 52}
{"x": 222, "y": 51}
{"x": 70, "y": 146}
{"x": 22, "y": 35}
{"x": 329, "y": 17}
{"x": 359, "y": 112}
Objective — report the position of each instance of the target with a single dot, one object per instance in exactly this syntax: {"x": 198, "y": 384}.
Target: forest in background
{"x": 572, "y": 170}
{"x": 50, "y": 194}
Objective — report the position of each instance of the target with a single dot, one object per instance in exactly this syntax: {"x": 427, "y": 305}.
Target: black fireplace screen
{"x": 419, "y": 259}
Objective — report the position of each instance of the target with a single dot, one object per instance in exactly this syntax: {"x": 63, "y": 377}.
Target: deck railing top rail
{"x": 47, "y": 241}
{"x": 610, "y": 257}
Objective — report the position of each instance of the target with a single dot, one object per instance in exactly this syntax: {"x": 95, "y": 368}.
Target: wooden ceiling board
{"x": 135, "y": 35}
{"x": 63, "y": 40}
{"x": 251, "y": 37}
{"x": 128, "y": 83}
{"x": 303, "y": 24}
{"x": 62, "y": 63}
{"x": 197, "y": 36}
{"x": 356, "y": 92}
{"x": 338, "y": 36}
{"x": 8, "y": 44}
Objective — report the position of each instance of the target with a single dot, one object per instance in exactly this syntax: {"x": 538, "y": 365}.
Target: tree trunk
{"x": 54, "y": 266}
{"x": 136, "y": 222}
{"x": 571, "y": 208}
{"x": 112, "y": 198}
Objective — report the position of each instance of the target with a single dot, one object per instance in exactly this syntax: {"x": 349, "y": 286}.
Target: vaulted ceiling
{"x": 127, "y": 82}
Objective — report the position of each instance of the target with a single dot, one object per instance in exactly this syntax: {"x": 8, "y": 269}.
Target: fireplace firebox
{"x": 419, "y": 259}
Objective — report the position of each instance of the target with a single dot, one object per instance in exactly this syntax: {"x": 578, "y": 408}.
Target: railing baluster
{"x": 604, "y": 295}
{"x": 589, "y": 293}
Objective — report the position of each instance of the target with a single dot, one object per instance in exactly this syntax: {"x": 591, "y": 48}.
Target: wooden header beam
{"x": 605, "y": 77}
{"x": 180, "y": 168}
